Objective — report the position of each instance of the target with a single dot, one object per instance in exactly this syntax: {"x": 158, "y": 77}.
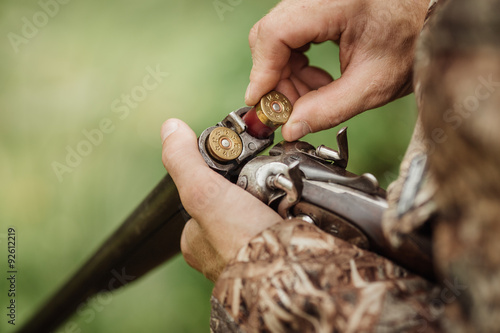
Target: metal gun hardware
{"x": 299, "y": 181}
{"x": 296, "y": 179}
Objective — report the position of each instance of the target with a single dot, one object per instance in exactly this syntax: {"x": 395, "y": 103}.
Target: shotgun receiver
{"x": 296, "y": 179}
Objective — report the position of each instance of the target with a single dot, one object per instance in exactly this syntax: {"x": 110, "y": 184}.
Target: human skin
{"x": 376, "y": 40}
{"x": 224, "y": 216}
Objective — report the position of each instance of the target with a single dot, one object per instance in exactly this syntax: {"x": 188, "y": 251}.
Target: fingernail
{"x": 299, "y": 129}
{"x": 248, "y": 92}
{"x": 169, "y": 127}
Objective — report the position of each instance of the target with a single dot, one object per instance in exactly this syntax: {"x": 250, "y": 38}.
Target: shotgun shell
{"x": 224, "y": 144}
{"x": 273, "y": 110}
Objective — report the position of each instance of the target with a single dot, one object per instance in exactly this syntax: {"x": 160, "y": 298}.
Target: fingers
{"x": 357, "y": 90}
{"x": 228, "y": 215}
{"x": 301, "y": 87}
{"x": 199, "y": 253}
{"x": 289, "y": 88}
{"x": 376, "y": 40}
{"x": 298, "y": 78}
{"x": 191, "y": 234}
{"x": 272, "y": 39}
{"x": 305, "y": 77}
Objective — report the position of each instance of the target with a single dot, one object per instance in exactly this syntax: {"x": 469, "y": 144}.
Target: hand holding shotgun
{"x": 296, "y": 180}
{"x": 320, "y": 191}
{"x": 215, "y": 233}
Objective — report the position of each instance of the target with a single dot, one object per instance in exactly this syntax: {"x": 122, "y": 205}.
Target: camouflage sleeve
{"x": 410, "y": 196}
{"x": 459, "y": 74}
{"x": 457, "y": 80}
{"x": 295, "y": 278}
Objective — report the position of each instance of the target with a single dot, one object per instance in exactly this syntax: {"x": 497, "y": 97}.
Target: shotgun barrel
{"x": 148, "y": 237}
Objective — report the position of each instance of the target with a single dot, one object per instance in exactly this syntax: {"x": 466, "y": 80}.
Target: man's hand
{"x": 376, "y": 40}
{"x": 225, "y": 217}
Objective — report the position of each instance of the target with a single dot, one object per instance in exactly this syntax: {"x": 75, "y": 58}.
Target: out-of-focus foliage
{"x": 62, "y": 81}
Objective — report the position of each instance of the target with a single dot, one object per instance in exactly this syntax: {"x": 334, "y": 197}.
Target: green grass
{"x": 64, "y": 80}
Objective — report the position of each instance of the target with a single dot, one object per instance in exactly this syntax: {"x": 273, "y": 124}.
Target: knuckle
{"x": 267, "y": 25}
{"x": 252, "y": 36}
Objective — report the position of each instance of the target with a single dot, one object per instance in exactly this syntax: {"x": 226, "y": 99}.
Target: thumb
{"x": 195, "y": 181}
{"x": 219, "y": 207}
{"x": 180, "y": 153}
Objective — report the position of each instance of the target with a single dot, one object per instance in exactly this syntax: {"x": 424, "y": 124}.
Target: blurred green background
{"x": 63, "y": 80}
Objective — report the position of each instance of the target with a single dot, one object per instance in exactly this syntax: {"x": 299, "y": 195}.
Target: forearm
{"x": 294, "y": 277}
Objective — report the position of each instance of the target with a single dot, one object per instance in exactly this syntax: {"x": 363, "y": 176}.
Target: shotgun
{"x": 296, "y": 179}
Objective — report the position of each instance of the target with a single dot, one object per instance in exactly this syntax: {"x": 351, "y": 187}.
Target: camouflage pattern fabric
{"x": 459, "y": 74}
{"x": 293, "y": 277}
